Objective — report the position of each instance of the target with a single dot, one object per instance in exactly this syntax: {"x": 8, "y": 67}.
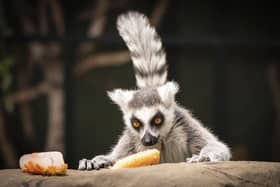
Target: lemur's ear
{"x": 167, "y": 93}
{"x": 121, "y": 97}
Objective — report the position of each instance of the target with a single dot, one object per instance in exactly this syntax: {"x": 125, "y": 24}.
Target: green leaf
{"x": 6, "y": 66}
{"x": 7, "y": 82}
{"x": 8, "y": 104}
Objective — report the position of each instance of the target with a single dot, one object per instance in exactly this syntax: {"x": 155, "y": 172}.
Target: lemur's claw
{"x": 82, "y": 164}
{"x": 198, "y": 158}
{"x": 95, "y": 163}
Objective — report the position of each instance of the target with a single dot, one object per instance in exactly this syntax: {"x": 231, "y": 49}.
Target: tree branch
{"x": 158, "y": 12}
{"x": 99, "y": 18}
{"x": 43, "y": 21}
{"x": 57, "y": 16}
{"x": 24, "y": 107}
{"x": 102, "y": 60}
{"x": 274, "y": 85}
{"x": 6, "y": 147}
{"x": 96, "y": 26}
{"x": 28, "y": 94}
{"x": 273, "y": 80}
{"x": 55, "y": 132}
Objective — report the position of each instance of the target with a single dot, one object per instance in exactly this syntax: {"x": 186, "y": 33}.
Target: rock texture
{"x": 227, "y": 174}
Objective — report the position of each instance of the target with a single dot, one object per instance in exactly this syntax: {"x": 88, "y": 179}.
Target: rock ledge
{"x": 228, "y": 174}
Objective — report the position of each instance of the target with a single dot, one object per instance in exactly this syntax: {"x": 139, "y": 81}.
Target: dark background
{"x": 224, "y": 55}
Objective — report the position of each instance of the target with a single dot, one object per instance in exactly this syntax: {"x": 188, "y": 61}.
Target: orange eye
{"x": 136, "y": 124}
{"x": 158, "y": 121}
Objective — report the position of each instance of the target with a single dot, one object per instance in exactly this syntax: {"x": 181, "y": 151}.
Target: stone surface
{"x": 226, "y": 174}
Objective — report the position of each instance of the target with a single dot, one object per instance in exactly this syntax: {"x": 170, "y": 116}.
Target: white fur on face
{"x": 145, "y": 114}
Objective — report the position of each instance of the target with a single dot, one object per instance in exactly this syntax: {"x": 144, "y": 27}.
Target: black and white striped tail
{"x": 145, "y": 48}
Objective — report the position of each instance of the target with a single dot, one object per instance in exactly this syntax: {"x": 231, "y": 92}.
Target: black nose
{"x": 149, "y": 140}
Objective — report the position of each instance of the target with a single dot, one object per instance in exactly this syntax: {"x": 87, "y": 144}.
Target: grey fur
{"x": 187, "y": 139}
{"x": 181, "y": 136}
{"x": 145, "y": 97}
{"x": 147, "y": 54}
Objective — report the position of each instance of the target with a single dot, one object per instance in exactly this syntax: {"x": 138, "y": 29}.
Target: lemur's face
{"x": 150, "y": 124}
{"x": 149, "y": 112}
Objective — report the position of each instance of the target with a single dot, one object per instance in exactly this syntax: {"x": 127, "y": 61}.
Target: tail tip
{"x": 131, "y": 16}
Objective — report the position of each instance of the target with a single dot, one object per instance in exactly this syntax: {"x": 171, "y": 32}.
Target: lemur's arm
{"x": 203, "y": 145}
{"x": 122, "y": 149}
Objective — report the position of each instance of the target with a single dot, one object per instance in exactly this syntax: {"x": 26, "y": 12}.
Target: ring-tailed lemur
{"x": 153, "y": 119}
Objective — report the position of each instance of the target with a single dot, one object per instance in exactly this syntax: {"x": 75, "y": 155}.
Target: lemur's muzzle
{"x": 149, "y": 140}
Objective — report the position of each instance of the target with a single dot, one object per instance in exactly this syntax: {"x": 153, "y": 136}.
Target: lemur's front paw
{"x": 199, "y": 158}
{"x": 97, "y": 162}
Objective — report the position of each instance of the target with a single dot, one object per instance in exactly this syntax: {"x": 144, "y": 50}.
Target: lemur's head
{"x": 147, "y": 112}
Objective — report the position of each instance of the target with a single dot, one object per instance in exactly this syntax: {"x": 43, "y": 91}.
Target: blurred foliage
{"x": 5, "y": 72}
{"x": 6, "y": 65}
{"x": 6, "y": 78}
